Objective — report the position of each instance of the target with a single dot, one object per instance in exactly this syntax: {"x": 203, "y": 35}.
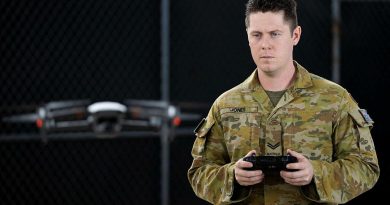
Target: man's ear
{"x": 297, "y": 35}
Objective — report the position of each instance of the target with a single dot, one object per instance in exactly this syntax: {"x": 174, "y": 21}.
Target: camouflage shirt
{"x": 314, "y": 117}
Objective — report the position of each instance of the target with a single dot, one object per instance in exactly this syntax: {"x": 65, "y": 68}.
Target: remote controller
{"x": 270, "y": 163}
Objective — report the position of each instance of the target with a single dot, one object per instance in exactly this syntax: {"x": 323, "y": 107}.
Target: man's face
{"x": 271, "y": 42}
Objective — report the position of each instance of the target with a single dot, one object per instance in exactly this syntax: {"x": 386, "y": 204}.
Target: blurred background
{"x": 182, "y": 52}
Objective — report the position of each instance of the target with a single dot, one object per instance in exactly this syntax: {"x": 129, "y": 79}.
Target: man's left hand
{"x": 304, "y": 170}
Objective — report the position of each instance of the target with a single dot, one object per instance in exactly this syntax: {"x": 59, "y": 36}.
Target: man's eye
{"x": 275, "y": 34}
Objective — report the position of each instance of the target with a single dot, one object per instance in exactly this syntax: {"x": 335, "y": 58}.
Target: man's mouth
{"x": 266, "y": 57}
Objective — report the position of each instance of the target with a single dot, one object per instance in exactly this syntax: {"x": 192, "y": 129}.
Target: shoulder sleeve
{"x": 363, "y": 124}
{"x": 354, "y": 168}
{"x": 211, "y": 173}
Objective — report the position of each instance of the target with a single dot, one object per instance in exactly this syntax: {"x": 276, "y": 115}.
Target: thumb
{"x": 252, "y": 152}
{"x": 295, "y": 154}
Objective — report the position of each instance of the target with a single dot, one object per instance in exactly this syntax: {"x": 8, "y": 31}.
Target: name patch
{"x": 237, "y": 109}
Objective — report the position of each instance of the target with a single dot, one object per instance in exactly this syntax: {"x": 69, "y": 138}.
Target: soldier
{"x": 282, "y": 109}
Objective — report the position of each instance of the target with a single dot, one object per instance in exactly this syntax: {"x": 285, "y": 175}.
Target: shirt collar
{"x": 302, "y": 79}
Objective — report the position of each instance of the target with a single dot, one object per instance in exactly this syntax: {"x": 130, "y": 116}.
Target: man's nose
{"x": 265, "y": 44}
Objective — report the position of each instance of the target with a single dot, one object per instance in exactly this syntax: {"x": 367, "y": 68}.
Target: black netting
{"x": 57, "y": 50}
{"x": 314, "y": 49}
{"x": 365, "y": 60}
{"x": 210, "y": 52}
{"x": 119, "y": 171}
{"x": 181, "y": 160}
{"x": 111, "y": 50}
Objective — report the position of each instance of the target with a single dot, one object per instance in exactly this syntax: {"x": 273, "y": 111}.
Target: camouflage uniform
{"x": 314, "y": 117}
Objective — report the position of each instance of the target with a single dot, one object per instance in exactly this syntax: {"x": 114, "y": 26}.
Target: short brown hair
{"x": 288, "y": 6}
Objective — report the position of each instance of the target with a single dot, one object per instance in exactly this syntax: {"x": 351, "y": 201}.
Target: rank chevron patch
{"x": 273, "y": 146}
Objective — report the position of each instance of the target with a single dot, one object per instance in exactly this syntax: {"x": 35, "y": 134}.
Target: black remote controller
{"x": 270, "y": 163}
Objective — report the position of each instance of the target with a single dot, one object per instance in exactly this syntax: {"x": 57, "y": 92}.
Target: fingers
{"x": 297, "y": 178}
{"x": 301, "y": 181}
{"x": 304, "y": 173}
{"x": 302, "y": 176}
{"x": 243, "y": 164}
{"x": 245, "y": 177}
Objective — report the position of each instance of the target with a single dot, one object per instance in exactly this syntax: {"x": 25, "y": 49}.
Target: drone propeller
{"x": 24, "y": 118}
{"x": 103, "y": 118}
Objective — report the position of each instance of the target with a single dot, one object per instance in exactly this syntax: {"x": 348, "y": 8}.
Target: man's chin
{"x": 266, "y": 68}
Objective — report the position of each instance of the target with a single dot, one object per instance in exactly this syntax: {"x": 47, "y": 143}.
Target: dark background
{"x": 110, "y": 50}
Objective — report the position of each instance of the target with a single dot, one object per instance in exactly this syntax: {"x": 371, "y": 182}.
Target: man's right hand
{"x": 246, "y": 177}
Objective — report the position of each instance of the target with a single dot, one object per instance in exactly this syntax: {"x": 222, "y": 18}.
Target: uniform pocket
{"x": 241, "y": 128}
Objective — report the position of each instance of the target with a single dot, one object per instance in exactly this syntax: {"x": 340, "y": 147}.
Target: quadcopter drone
{"x": 104, "y": 118}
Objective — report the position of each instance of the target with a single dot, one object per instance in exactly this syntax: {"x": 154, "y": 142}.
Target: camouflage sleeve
{"x": 211, "y": 173}
{"x": 355, "y": 167}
